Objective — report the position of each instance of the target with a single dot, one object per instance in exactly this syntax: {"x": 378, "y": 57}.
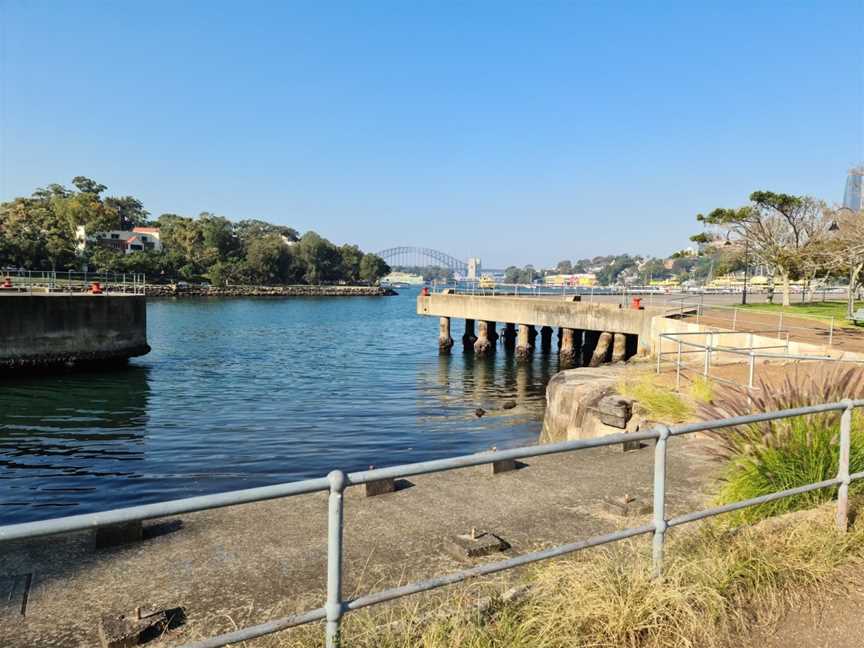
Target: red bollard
{"x": 96, "y": 288}
{"x": 7, "y": 283}
{"x": 425, "y": 291}
{"x": 636, "y": 303}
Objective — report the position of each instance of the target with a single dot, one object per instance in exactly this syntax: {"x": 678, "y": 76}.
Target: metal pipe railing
{"x": 71, "y": 282}
{"x": 709, "y": 348}
{"x": 337, "y": 482}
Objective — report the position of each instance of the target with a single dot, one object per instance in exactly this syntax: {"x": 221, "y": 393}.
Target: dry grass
{"x": 702, "y": 390}
{"x": 659, "y": 402}
{"x": 719, "y": 581}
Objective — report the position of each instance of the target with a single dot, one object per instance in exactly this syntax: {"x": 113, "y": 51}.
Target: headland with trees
{"x": 43, "y": 232}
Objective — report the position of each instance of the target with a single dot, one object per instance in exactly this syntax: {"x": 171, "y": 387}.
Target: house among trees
{"x": 138, "y": 239}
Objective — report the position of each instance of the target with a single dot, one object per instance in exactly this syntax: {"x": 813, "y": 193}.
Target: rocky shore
{"x": 173, "y": 290}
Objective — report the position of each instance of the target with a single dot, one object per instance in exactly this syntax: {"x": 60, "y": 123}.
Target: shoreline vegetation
{"x": 173, "y": 290}
{"x": 57, "y": 228}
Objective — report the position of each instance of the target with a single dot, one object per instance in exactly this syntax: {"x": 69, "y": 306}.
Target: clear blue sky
{"x": 520, "y": 132}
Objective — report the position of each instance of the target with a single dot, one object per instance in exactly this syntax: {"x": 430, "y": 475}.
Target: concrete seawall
{"x": 54, "y": 331}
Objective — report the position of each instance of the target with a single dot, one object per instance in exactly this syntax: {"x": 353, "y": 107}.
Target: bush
{"x": 766, "y": 457}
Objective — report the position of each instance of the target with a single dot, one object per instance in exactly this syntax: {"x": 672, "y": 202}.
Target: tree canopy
{"x": 780, "y": 230}
{"x": 40, "y": 231}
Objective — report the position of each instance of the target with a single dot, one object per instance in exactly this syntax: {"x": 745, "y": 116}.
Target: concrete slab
{"x": 248, "y": 564}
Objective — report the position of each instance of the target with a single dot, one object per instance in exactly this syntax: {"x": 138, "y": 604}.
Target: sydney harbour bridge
{"x": 420, "y": 257}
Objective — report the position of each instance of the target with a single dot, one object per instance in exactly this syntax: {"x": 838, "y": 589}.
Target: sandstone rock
{"x": 570, "y": 397}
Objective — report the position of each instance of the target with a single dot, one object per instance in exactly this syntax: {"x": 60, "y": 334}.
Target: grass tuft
{"x": 659, "y": 402}
{"x": 718, "y": 582}
{"x": 766, "y": 457}
{"x": 702, "y": 390}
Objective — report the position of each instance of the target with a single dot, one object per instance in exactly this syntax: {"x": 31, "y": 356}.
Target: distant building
{"x": 403, "y": 278}
{"x": 474, "y": 268}
{"x": 137, "y": 239}
{"x": 584, "y": 280}
{"x": 853, "y": 197}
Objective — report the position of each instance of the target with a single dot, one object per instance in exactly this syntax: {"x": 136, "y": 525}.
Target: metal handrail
{"x": 700, "y": 307}
{"x": 337, "y": 482}
{"x": 709, "y": 348}
{"x": 71, "y": 282}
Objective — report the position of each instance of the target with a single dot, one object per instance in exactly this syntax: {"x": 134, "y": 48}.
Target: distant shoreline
{"x": 171, "y": 290}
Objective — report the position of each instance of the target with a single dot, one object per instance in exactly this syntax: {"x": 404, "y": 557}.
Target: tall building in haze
{"x": 474, "y": 268}
{"x": 853, "y": 197}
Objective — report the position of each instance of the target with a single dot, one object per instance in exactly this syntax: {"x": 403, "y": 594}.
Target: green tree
{"x": 250, "y": 229}
{"x": 88, "y": 186}
{"x": 320, "y": 258}
{"x": 352, "y": 257}
{"x": 128, "y": 211}
{"x": 218, "y": 235}
{"x": 271, "y": 260}
{"x": 373, "y": 268}
{"x": 782, "y": 231}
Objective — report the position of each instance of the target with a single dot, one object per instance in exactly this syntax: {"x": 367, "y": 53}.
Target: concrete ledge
{"x": 39, "y": 332}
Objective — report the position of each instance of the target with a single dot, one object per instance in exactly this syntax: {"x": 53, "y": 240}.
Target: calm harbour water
{"x": 248, "y": 392}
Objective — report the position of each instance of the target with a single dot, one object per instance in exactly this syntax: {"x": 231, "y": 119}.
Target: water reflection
{"x": 240, "y": 393}
{"x": 493, "y": 383}
{"x": 69, "y": 434}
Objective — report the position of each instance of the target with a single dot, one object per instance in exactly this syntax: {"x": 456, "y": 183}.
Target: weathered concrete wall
{"x": 570, "y": 397}
{"x": 543, "y": 312}
{"x": 43, "y": 331}
{"x": 577, "y": 406}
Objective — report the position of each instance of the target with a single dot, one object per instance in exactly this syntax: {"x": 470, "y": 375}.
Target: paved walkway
{"x": 800, "y": 329}
{"x": 248, "y": 564}
{"x": 833, "y": 623}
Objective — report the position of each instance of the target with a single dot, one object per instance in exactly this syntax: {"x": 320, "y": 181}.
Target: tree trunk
{"x": 854, "y": 273}
{"x": 786, "y": 289}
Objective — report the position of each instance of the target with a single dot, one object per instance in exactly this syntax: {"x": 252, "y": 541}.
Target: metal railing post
{"x": 678, "y": 371}
{"x": 659, "y": 350}
{"x": 752, "y": 369}
{"x": 780, "y": 323}
{"x": 843, "y": 470}
{"x": 831, "y": 332}
{"x": 334, "y": 606}
{"x": 660, "y": 525}
{"x": 707, "y": 355}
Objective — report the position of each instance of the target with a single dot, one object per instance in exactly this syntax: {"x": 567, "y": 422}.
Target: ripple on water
{"x": 241, "y": 393}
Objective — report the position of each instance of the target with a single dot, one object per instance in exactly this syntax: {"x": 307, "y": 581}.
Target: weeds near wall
{"x": 659, "y": 403}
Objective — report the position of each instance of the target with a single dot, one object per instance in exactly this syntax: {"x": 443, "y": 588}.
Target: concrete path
{"x": 833, "y": 623}
{"x": 248, "y": 564}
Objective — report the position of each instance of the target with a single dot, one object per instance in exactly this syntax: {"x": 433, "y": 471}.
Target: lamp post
{"x": 746, "y": 267}
{"x": 834, "y": 228}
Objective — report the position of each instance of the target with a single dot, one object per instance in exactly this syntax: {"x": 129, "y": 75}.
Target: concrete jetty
{"x": 44, "y": 331}
{"x": 589, "y": 333}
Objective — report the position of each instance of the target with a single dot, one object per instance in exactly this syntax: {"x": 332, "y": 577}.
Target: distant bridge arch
{"x": 422, "y": 257}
